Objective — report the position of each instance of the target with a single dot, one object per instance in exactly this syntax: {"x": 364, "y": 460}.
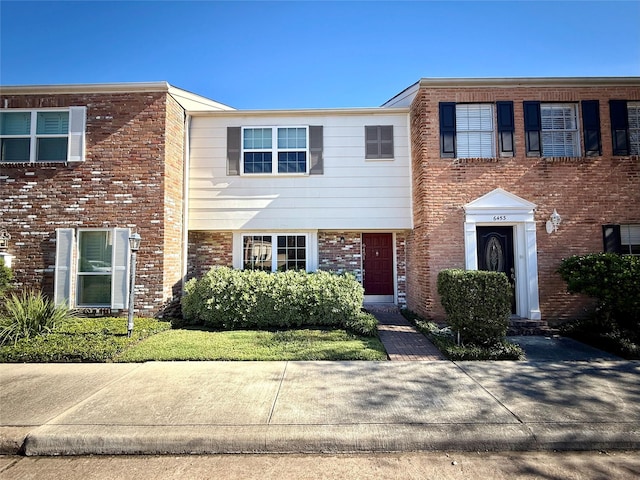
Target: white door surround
{"x": 505, "y": 209}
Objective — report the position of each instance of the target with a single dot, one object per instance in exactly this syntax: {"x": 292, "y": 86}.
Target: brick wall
{"x": 207, "y": 250}
{"x": 123, "y": 182}
{"x": 587, "y": 193}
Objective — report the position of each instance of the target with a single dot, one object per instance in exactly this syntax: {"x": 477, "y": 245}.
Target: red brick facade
{"x": 588, "y": 192}
{"x": 208, "y": 250}
{"x": 132, "y": 177}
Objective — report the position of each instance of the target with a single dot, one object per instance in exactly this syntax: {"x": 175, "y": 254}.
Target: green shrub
{"x": 614, "y": 280}
{"x": 477, "y": 303}
{"x": 364, "y": 324}
{"x": 6, "y": 278}
{"x": 234, "y": 299}
{"x": 29, "y": 314}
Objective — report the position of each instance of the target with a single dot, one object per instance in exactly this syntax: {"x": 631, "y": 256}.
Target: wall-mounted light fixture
{"x": 341, "y": 240}
{"x": 4, "y": 239}
{"x": 554, "y": 221}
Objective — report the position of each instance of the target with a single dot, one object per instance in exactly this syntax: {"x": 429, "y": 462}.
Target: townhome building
{"x": 516, "y": 174}
{"x": 81, "y": 168}
{"x": 498, "y": 174}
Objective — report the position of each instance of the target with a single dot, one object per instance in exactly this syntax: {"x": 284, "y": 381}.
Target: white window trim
{"x": 66, "y": 277}
{"x": 274, "y": 150}
{"x": 311, "y": 247}
{"x": 493, "y": 132}
{"x": 629, "y": 237}
{"x": 75, "y": 139}
{"x": 575, "y": 132}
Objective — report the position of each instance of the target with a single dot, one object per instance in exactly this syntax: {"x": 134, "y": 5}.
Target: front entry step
{"x": 525, "y": 326}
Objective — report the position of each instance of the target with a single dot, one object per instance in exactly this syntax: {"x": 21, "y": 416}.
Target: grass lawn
{"x": 105, "y": 340}
{"x": 304, "y": 344}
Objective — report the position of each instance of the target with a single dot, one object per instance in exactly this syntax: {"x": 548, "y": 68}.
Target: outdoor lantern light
{"x": 134, "y": 246}
{"x": 553, "y": 222}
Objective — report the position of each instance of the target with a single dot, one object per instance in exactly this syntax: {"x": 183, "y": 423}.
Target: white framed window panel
{"x": 48, "y": 135}
{"x": 275, "y": 251}
{"x": 275, "y": 150}
{"x": 630, "y": 239}
{"x": 475, "y": 131}
{"x": 560, "y": 130}
{"x": 633, "y": 113}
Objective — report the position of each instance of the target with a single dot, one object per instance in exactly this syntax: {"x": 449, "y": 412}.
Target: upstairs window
{"x": 28, "y": 136}
{"x": 378, "y": 141}
{"x": 560, "y": 135}
{"x": 551, "y": 129}
{"x": 470, "y": 130}
{"x": 275, "y": 150}
{"x": 475, "y": 131}
{"x": 625, "y": 127}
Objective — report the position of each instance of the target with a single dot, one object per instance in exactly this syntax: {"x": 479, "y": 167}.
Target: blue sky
{"x": 263, "y": 55}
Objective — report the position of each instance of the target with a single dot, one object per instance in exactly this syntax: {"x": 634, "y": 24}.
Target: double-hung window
{"x": 274, "y": 252}
{"x": 91, "y": 268}
{"x": 275, "y": 150}
{"x": 552, "y": 129}
{"x": 54, "y": 135}
{"x": 625, "y": 127}
{"x": 475, "y": 136}
{"x": 470, "y": 130}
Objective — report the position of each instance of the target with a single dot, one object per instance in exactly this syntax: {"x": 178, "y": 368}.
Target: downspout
{"x": 185, "y": 202}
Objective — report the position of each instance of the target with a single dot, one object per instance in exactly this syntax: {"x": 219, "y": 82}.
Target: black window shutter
{"x": 316, "y": 145}
{"x": 611, "y": 238}
{"x": 506, "y": 128}
{"x": 619, "y": 126}
{"x": 591, "y": 127}
{"x": 532, "y": 127}
{"x": 447, "y": 129}
{"x": 233, "y": 150}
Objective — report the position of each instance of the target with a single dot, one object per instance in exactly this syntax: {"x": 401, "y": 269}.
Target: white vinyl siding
{"x": 52, "y": 135}
{"x": 560, "y": 133}
{"x": 475, "y": 133}
{"x": 633, "y": 112}
{"x": 352, "y": 193}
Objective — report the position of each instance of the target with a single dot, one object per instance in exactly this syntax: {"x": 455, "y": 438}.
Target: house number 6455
{"x": 499, "y": 218}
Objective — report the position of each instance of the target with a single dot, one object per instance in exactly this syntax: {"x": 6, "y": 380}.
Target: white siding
{"x": 353, "y": 193}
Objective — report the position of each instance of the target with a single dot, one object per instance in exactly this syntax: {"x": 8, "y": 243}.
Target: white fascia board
{"x": 85, "y": 88}
{"x": 192, "y": 102}
{"x": 305, "y": 112}
{"x": 510, "y": 82}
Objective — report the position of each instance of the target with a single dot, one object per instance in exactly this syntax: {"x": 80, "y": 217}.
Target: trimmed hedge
{"x": 477, "y": 303}
{"x": 612, "y": 279}
{"x": 230, "y": 299}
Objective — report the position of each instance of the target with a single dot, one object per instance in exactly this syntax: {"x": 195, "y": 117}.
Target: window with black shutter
{"x": 591, "y": 127}
{"x": 532, "y": 128}
{"x": 378, "y": 141}
{"x": 506, "y": 128}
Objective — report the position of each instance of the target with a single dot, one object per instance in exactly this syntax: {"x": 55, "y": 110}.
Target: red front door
{"x": 378, "y": 263}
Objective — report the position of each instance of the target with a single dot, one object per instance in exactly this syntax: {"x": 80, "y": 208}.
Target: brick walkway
{"x": 400, "y": 338}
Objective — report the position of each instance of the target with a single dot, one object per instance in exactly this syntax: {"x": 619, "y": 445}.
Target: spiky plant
{"x": 29, "y": 314}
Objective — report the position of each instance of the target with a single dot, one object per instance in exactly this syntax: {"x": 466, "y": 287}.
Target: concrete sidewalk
{"x": 274, "y": 407}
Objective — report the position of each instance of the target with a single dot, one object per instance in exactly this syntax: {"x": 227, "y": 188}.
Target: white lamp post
{"x": 134, "y": 246}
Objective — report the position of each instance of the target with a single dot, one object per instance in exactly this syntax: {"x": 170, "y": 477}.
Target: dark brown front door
{"x": 495, "y": 253}
{"x": 378, "y": 263}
